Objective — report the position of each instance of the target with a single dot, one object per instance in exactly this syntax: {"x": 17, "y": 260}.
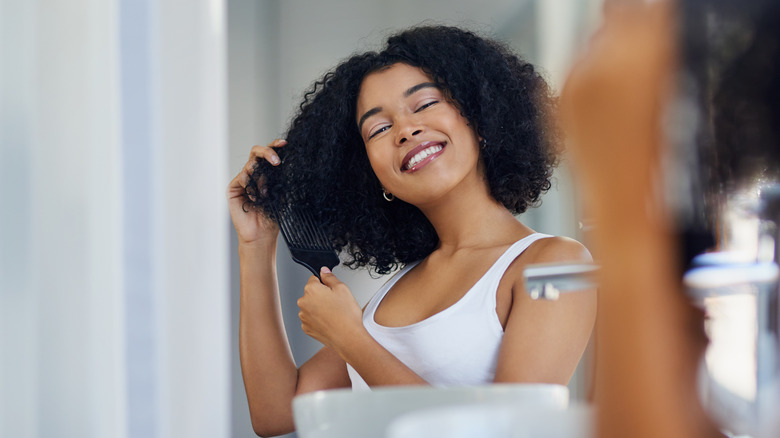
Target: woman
{"x": 414, "y": 157}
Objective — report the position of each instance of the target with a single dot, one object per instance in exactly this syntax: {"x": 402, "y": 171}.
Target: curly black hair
{"x": 325, "y": 168}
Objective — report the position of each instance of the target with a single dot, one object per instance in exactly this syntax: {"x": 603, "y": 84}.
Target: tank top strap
{"x": 373, "y": 303}
{"x": 514, "y": 251}
{"x": 497, "y": 271}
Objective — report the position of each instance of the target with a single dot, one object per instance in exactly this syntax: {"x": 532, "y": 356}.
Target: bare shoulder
{"x": 556, "y": 250}
{"x": 561, "y": 327}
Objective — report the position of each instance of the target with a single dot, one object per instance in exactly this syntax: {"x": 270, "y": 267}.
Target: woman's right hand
{"x": 250, "y": 223}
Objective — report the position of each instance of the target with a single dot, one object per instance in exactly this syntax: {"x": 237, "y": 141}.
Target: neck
{"x": 471, "y": 218}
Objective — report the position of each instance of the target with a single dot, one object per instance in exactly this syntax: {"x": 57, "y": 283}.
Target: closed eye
{"x": 379, "y": 131}
{"x": 426, "y": 105}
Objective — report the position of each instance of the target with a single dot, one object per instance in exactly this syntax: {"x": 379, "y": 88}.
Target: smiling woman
{"x": 409, "y": 126}
{"x": 503, "y": 98}
{"x": 415, "y": 157}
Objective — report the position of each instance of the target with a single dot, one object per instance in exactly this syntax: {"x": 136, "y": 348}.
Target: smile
{"x": 421, "y": 155}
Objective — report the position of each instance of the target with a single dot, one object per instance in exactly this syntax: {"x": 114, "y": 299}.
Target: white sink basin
{"x": 505, "y": 421}
{"x": 343, "y": 413}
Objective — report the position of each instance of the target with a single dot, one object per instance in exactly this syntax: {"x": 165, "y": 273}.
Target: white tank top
{"x": 457, "y": 346}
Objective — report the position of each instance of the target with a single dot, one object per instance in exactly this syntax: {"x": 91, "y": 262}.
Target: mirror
{"x": 278, "y": 48}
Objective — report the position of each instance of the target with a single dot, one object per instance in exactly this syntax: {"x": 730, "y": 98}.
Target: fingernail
{"x": 324, "y": 270}
{"x": 274, "y": 160}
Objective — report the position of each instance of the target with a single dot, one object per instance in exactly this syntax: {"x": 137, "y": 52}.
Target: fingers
{"x": 266, "y": 153}
{"x": 328, "y": 279}
{"x": 238, "y": 185}
{"x": 313, "y": 281}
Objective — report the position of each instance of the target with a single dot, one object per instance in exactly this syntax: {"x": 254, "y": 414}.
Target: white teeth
{"x": 423, "y": 154}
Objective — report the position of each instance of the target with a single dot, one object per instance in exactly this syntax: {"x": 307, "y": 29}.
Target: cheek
{"x": 459, "y": 125}
{"x": 378, "y": 162}
{"x": 372, "y": 157}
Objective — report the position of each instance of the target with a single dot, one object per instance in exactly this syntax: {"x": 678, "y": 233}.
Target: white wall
{"x": 114, "y": 286}
{"x": 60, "y": 229}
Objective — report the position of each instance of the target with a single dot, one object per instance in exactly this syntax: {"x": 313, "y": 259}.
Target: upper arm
{"x": 325, "y": 370}
{"x": 544, "y": 340}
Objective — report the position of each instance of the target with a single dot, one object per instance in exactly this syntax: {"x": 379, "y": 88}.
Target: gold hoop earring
{"x": 388, "y": 196}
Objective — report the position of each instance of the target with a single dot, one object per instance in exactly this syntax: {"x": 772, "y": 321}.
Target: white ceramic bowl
{"x": 343, "y": 413}
{"x": 504, "y": 421}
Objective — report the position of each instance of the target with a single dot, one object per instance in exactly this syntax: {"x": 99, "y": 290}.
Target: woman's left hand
{"x": 329, "y": 312}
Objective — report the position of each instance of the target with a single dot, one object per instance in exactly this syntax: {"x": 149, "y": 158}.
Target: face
{"x": 419, "y": 145}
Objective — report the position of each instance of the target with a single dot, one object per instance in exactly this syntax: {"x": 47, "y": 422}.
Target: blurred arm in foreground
{"x": 649, "y": 338}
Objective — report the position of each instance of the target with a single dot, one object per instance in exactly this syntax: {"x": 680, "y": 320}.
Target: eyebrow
{"x": 419, "y": 87}
{"x": 407, "y": 93}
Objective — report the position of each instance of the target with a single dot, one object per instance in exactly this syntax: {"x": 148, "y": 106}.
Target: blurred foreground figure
{"x": 650, "y": 338}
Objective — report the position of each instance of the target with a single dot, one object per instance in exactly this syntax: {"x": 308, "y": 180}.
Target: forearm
{"x": 330, "y": 314}
{"x": 269, "y": 371}
{"x": 376, "y": 365}
{"x": 648, "y": 352}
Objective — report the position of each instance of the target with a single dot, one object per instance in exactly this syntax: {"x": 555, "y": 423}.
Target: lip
{"x": 418, "y": 148}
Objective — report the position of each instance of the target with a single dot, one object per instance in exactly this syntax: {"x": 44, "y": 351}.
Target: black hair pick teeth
{"x": 307, "y": 242}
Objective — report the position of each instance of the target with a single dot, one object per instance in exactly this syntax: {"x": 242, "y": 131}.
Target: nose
{"x": 408, "y": 130}
{"x": 403, "y": 139}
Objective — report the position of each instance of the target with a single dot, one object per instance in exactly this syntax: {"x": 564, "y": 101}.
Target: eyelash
{"x": 378, "y": 131}
{"x": 426, "y": 105}
{"x": 422, "y": 107}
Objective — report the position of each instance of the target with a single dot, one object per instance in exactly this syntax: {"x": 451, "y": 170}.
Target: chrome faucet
{"x": 547, "y": 281}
